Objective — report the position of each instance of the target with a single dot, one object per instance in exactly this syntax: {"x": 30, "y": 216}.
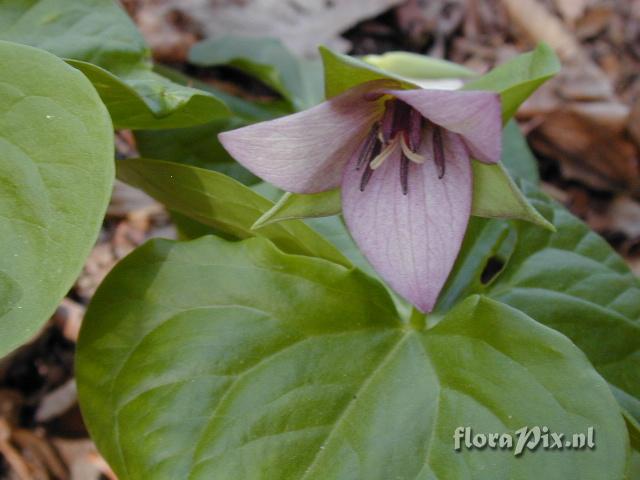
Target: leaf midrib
{"x": 351, "y": 403}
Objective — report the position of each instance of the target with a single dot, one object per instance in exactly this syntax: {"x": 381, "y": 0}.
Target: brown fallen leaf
{"x": 622, "y": 215}
{"x": 80, "y": 456}
{"x": 57, "y": 402}
{"x": 420, "y": 20}
{"x": 44, "y": 460}
{"x": 301, "y": 25}
{"x": 594, "y": 21}
{"x": 10, "y": 454}
{"x": 634, "y": 121}
{"x": 541, "y": 25}
{"x": 126, "y": 199}
{"x": 571, "y": 10}
{"x": 68, "y": 318}
{"x": 588, "y": 150}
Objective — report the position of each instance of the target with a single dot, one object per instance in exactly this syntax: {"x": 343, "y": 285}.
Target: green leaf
{"x": 266, "y": 59}
{"x": 517, "y": 158}
{"x": 518, "y": 78}
{"x": 570, "y": 280}
{"x": 197, "y": 146}
{"x": 56, "y": 173}
{"x": 334, "y": 230}
{"x": 487, "y": 243}
{"x": 417, "y": 67}
{"x": 213, "y": 359}
{"x": 142, "y": 99}
{"x": 342, "y": 72}
{"x": 96, "y": 31}
{"x": 630, "y": 407}
{"x": 248, "y": 111}
{"x": 576, "y": 283}
{"x": 101, "y": 41}
{"x": 633, "y": 468}
{"x": 295, "y": 205}
{"x": 495, "y": 195}
{"x": 218, "y": 201}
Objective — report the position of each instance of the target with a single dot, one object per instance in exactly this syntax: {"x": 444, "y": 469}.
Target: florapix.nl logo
{"x": 525, "y": 438}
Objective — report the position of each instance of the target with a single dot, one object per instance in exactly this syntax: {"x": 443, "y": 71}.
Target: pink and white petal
{"x": 306, "y": 152}
{"x": 475, "y": 115}
{"x": 412, "y": 240}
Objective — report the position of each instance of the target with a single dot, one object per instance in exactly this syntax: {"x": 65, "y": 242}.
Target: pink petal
{"x": 306, "y": 152}
{"x": 412, "y": 240}
{"x": 475, "y": 115}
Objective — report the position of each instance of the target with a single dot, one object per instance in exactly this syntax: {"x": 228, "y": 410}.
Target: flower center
{"x": 401, "y": 128}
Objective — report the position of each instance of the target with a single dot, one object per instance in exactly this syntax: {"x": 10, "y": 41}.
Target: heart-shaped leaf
{"x": 101, "y": 33}
{"x": 570, "y": 280}
{"x": 56, "y": 170}
{"x": 215, "y": 359}
{"x": 218, "y": 201}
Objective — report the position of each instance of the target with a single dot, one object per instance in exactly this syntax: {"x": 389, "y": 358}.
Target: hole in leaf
{"x": 491, "y": 270}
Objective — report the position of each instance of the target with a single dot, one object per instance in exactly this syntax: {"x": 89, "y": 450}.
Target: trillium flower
{"x": 403, "y": 161}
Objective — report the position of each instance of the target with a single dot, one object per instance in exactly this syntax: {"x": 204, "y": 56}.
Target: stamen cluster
{"x": 401, "y": 127}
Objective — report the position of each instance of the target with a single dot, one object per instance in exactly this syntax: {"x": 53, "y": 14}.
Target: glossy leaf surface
{"x": 56, "y": 173}
{"x": 296, "y": 368}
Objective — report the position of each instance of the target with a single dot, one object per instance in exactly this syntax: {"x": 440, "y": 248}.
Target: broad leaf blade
{"x": 575, "y": 282}
{"x": 56, "y": 170}
{"x": 142, "y": 99}
{"x": 103, "y": 40}
{"x": 570, "y": 280}
{"x": 295, "y": 368}
{"x": 218, "y": 201}
{"x": 97, "y": 31}
{"x": 197, "y": 146}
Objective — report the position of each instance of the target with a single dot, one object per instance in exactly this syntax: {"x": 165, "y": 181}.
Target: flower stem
{"x": 417, "y": 320}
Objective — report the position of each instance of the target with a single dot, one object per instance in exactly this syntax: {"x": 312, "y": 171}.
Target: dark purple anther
{"x": 404, "y": 174}
{"x": 401, "y": 117}
{"x": 366, "y": 176}
{"x": 438, "y": 150}
{"x": 368, "y": 171}
{"x": 415, "y": 130}
{"x": 388, "y": 119}
{"x": 367, "y": 146}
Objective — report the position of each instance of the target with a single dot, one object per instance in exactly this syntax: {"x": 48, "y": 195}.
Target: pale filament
{"x": 397, "y": 141}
